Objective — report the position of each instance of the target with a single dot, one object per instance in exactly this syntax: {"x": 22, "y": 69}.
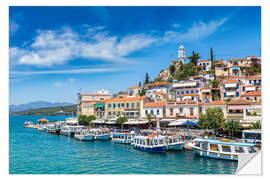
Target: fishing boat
{"x": 84, "y": 135}
{"x": 151, "y": 143}
{"x": 221, "y": 149}
{"x": 50, "y": 128}
{"x": 123, "y": 137}
{"x": 28, "y": 123}
{"x": 175, "y": 143}
{"x": 68, "y": 130}
{"x": 102, "y": 134}
{"x": 65, "y": 130}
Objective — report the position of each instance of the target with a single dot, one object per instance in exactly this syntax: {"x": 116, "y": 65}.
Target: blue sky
{"x": 55, "y": 51}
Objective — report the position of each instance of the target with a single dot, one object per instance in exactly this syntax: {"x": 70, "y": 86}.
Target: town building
{"x": 214, "y": 104}
{"x": 157, "y": 87}
{"x": 155, "y": 109}
{"x": 134, "y": 91}
{"x": 86, "y": 101}
{"x": 182, "y": 54}
{"x": 252, "y": 96}
{"x": 129, "y": 107}
{"x": 205, "y": 64}
{"x": 182, "y": 109}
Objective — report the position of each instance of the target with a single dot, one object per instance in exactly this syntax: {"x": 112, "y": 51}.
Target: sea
{"x": 35, "y": 152}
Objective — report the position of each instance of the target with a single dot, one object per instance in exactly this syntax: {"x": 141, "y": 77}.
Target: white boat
{"x": 152, "y": 143}
{"x": 84, "y": 135}
{"x": 123, "y": 137}
{"x": 102, "y": 134}
{"x": 175, "y": 143}
{"x": 69, "y": 130}
{"x": 221, "y": 149}
{"x": 28, "y": 123}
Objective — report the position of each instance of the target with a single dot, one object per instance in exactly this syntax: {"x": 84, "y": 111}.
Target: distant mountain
{"x": 36, "y": 105}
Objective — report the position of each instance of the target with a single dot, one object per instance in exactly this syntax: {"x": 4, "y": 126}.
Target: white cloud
{"x": 57, "y": 47}
{"x": 198, "y": 31}
{"x": 71, "y": 80}
{"x": 176, "y": 25}
{"x": 68, "y": 71}
{"x": 59, "y": 84}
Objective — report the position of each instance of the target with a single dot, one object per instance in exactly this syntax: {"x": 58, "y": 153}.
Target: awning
{"x": 99, "y": 105}
{"x": 183, "y": 122}
{"x": 136, "y": 122}
{"x": 235, "y": 107}
{"x": 190, "y": 123}
{"x": 235, "y": 68}
{"x": 230, "y": 93}
{"x": 230, "y": 85}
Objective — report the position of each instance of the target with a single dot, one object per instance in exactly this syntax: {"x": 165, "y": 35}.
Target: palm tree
{"x": 255, "y": 125}
{"x": 194, "y": 58}
{"x": 232, "y": 126}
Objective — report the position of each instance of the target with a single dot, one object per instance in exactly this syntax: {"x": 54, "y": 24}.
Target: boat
{"x": 102, "y": 134}
{"x": 84, "y": 135}
{"x": 28, "y": 123}
{"x": 151, "y": 143}
{"x": 54, "y": 128}
{"x": 221, "y": 149}
{"x": 123, "y": 137}
{"x": 175, "y": 143}
{"x": 68, "y": 130}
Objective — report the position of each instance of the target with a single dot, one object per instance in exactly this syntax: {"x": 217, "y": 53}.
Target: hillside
{"x": 35, "y": 105}
{"x": 63, "y": 110}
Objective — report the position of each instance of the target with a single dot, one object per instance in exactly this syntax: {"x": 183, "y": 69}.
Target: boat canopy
{"x": 231, "y": 143}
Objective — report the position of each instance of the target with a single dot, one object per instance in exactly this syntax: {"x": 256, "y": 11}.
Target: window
{"x": 160, "y": 141}
{"x": 205, "y": 146}
{"x": 146, "y": 112}
{"x": 192, "y": 91}
{"x": 157, "y": 112}
{"x": 255, "y": 98}
{"x": 123, "y": 104}
{"x": 191, "y": 111}
{"x": 192, "y": 98}
{"x": 118, "y": 105}
{"x": 114, "y": 106}
{"x": 243, "y": 88}
{"x": 181, "y": 110}
{"x": 214, "y": 147}
{"x": 109, "y": 105}
{"x": 127, "y": 105}
{"x": 152, "y": 112}
{"x": 138, "y": 105}
{"x": 238, "y": 149}
{"x": 171, "y": 111}
{"x": 197, "y": 144}
{"x": 109, "y": 113}
{"x": 226, "y": 148}
{"x": 251, "y": 150}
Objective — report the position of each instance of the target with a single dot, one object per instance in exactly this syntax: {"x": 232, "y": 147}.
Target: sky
{"x": 55, "y": 51}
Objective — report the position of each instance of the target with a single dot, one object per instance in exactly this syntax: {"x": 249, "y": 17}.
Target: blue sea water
{"x": 35, "y": 152}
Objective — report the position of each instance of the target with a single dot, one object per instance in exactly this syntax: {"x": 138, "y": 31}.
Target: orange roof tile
{"x": 204, "y": 60}
{"x": 155, "y": 104}
{"x": 230, "y": 81}
{"x": 215, "y": 103}
{"x": 158, "y": 84}
{"x": 186, "y": 102}
{"x": 159, "y": 93}
{"x": 251, "y": 86}
{"x": 220, "y": 63}
{"x": 235, "y": 59}
{"x": 125, "y": 99}
{"x": 182, "y": 95}
{"x": 132, "y": 87}
{"x": 238, "y": 101}
{"x": 235, "y": 66}
{"x": 252, "y": 93}
{"x": 254, "y": 77}
{"x": 234, "y": 77}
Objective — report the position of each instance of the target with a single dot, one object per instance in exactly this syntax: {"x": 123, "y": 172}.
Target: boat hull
{"x": 103, "y": 137}
{"x": 85, "y": 138}
{"x": 152, "y": 149}
{"x": 215, "y": 155}
{"x": 176, "y": 147}
{"x": 122, "y": 141}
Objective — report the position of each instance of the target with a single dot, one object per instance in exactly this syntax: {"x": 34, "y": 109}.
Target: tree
{"x": 142, "y": 92}
{"x": 172, "y": 69}
{"x": 194, "y": 58}
{"x": 232, "y": 126}
{"x": 121, "y": 121}
{"x": 146, "y": 81}
{"x": 140, "y": 84}
{"x": 205, "y": 120}
{"x": 212, "y": 58}
{"x": 188, "y": 70}
{"x": 86, "y": 120}
{"x": 149, "y": 118}
{"x": 214, "y": 84}
{"x": 255, "y": 125}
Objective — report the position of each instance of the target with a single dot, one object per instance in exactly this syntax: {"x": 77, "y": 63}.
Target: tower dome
{"x": 181, "y": 54}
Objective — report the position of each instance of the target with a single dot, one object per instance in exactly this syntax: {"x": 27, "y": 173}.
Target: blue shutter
{"x": 224, "y": 94}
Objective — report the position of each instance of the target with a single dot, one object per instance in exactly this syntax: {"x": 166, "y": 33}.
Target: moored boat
{"x": 175, "y": 143}
{"x": 102, "y": 134}
{"x": 151, "y": 143}
{"x": 84, "y": 135}
{"x": 123, "y": 137}
{"x": 221, "y": 149}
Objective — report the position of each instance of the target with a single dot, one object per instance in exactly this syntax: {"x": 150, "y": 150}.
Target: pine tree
{"x": 146, "y": 79}
{"x": 212, "y": 58}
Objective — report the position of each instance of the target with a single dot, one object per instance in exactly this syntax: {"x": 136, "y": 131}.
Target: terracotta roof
{"x": 182, "y": 95}
{"x": 238, "y": 101}
{"x": 234, "y": 77}
{"x": 125, "y": 99}
{"x": 254, "y": 77}
{"x": 255, "y": 103}
{"x": 159, "y": 93}
{"x": 220, "y": 63}
{"x": 236, "y": 60}
{"x": 230, "y": 81}
{"x": 43, "y": 120}
{"x": 132, "y": 87}
{"x": 215, "y": 103}
{"x": 186, "y": 102}
{"x": 155, "y": 104}
{"x": 204, "y": 60}
{"x": 251, "y": 86}
{"x": 252, "y": 93}
{"x": 158, "y": 84}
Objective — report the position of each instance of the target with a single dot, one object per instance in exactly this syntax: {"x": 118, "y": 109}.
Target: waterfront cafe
{"x": 42, "y": 121}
